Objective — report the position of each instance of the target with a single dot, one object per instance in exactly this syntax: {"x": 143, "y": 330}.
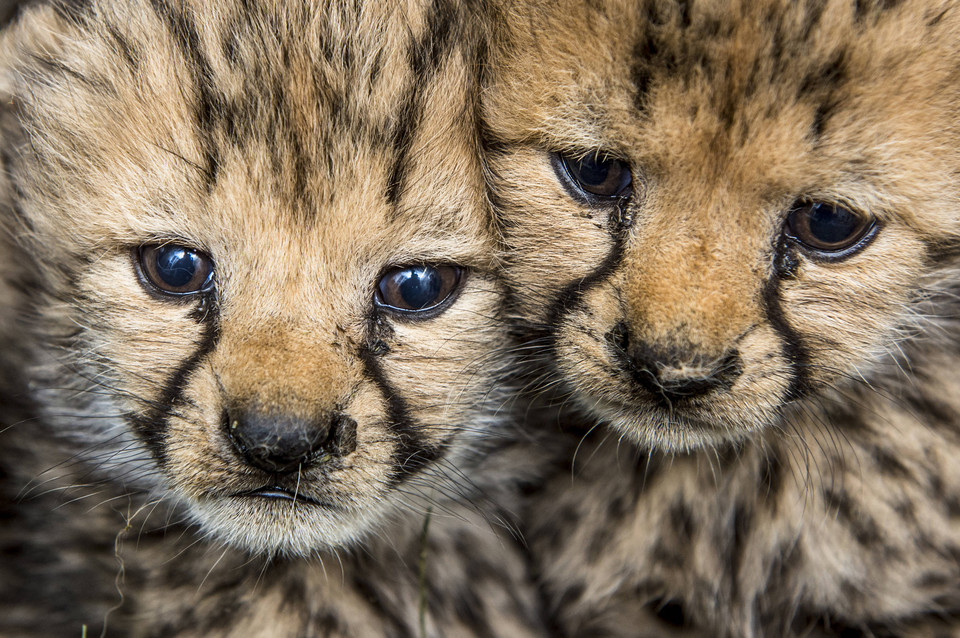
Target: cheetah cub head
{"x": 264, "y": 289}
{"x": 716, "y": 212}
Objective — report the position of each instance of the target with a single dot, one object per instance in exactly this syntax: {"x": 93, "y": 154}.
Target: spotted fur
{"x": 306, "y": 147}
{"x": 803, "y": 479}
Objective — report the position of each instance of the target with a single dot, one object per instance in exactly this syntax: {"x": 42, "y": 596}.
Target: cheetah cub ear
{"x": 700, "y": 236}
{"x": 265, "y": 285}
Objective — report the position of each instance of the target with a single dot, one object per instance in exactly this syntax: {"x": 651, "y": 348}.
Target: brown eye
{"x": 417, "y": 289}
{"x": 599, "y": 176}
{"x": 175, "y": 269}
{"x": 828, "y": 228}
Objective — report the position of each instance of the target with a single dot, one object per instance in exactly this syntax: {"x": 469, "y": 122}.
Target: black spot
{"x": 670, "y": 612}
{"x": 863, "y": 528}
{"x": 889, "y": 464}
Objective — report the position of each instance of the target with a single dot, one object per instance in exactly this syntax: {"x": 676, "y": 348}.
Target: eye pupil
{"x": 176, "y": 266}
{"x": 832, "y": 225}
{"x": 592, "y": 172}
{"x": 417, "y": 288}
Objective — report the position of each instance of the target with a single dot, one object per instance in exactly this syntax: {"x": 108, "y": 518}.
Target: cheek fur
{"x": 850, "y": 314}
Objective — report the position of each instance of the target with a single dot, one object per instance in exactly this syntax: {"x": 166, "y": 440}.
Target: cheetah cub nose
{"x": 282, "y": 444}
{"x": 672, "y": 374}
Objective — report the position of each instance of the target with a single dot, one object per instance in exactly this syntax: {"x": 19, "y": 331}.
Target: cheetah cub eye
{"x": 830, "y": 231}
{"x": 418, "y": 292}
{"x": 594, "y": 178}
{"x": 174, "y": 269}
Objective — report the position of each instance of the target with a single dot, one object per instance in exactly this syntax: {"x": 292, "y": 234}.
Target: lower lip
{"x": 274, "y": 493}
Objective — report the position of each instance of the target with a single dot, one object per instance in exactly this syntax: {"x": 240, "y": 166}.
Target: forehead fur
{"x": 765, "y": 97}
{"x": 273, "y": 120}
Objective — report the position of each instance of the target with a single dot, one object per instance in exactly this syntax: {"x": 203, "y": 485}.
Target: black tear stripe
{"x": 210, "y": 104}
{"x": 152, "y": 426}
{"x": 413, "y": 453}
{"x": 793, "y": 349}
{"x": 571, "y": 297}
{"x": 426, "y": 54}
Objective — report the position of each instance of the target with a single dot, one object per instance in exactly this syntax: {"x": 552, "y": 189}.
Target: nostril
{"x": 281, "y": 443}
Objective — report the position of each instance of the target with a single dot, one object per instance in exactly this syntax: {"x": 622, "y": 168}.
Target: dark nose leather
{"x": 281, "y": 444}
{"x": 672, "y": 375}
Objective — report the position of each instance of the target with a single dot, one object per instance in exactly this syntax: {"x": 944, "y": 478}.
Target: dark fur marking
{"x": 470, "y": 610}
{"x": 863, "y": 528}
{"x": 670, "y": 612}
{"x": 571, "y": 296}
{"x": 152, "y": 426}
{"x": 862, "y": 9}
{"x": 936, "y": 19}
{"x": 377, "y": 602}
{"x": 770, "y": 477}
{"x": 681, "y": 522}
{"x": 827, "y": 77}
{"x": 426, "y": 54}
{"x": 793, "y": 350}
{"x": 740, "y": 526}
{"x": 666, "y": 557}
{"x": 129, "y": 51}
{"x": 412, "y": 453}
{"x": 890, "y": 465}
{"x": 813, "y": 11}
{"x": 209, "y": 104}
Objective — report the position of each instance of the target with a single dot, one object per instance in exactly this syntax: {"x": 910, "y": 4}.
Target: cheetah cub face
{"x": 264, "y": 285}
{"x": 715, "y": 210}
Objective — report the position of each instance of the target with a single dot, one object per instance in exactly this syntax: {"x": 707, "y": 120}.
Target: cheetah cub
{"x": 250, "y": 323}
{"x": 732, "y": 239}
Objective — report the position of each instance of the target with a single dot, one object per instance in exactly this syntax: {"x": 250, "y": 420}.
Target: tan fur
{"x": 307, "y": 148}
{"x": 816, "y": 490}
